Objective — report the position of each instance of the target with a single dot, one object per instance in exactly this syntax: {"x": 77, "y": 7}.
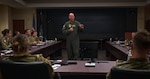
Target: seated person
{"x": 21, "y": 52}
{"x": 35, "y": 39}
{"x": 140, "y": 50}
{"x": 6, "y": 40}
{"x": 16, "y": 33}
{"x": 31, "y": 40}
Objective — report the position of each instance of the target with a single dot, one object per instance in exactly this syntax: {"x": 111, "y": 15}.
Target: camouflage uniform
{"x": 37, "y": 39}
{"x": 132, "y": 63}
{"x": 31, "y": 58}
{"x": 72, "y": 38}
{"x": 5, "y": 43}
{"x": 33, "y": 39}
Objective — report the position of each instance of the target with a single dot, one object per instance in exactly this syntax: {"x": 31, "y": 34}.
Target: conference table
{"x": 50, "y": 48}
{"x": 116, "y": 51}
{"x": 79, "y": 71}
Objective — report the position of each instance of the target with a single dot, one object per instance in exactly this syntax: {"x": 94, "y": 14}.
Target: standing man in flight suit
{"x": 71, "y": 29}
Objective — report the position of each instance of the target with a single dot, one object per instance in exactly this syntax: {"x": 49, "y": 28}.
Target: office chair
{"x": 24, "y": 70}
{"x": 89, "y": 49}
{"x": 124, "y": 73}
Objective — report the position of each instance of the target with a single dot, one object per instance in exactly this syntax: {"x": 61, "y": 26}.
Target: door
{"x": 18, "y": 25}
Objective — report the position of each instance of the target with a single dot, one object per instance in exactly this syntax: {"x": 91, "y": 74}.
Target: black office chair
{"x": 89, "y": 49}
{"x": 24, "y": 70}
{"x": 124, "y": 73}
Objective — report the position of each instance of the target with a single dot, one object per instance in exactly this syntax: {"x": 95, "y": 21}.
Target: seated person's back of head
{"x": 140, "y": 50}
{"x": 21, "y": 52}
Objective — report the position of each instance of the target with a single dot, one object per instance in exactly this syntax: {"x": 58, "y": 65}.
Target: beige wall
{"x": 4, "y": 15}
{"x": 8, "y": 14}
{"x": 140, "y": 18}
{"x": 25, "y": 14}
{"x": 147, "y": 17}
{"x": 147, "y": 12}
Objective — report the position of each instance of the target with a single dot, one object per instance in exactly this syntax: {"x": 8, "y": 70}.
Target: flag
{"x": 41, "y": 24}
{"x": 33, "y": 23}
{"x": 41, "y": 31}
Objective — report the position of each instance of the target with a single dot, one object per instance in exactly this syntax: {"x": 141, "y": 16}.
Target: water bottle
{"x": 110, "y": 40}
{"x": 55, "y": 39}
{"x": 129, "y": 54}
{"x": 44, "y": 39}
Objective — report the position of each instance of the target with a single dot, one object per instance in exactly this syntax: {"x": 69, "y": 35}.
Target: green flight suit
{"x": 5, "y": 43}
{"x": 132, "y": 63}
{"x": 72, "y": 38}
{"x": 31, "y": 58}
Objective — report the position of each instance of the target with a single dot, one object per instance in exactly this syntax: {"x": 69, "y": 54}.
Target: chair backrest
{"x": 24, "y": 70}
{"x": 124, "y": 73}
{"x": 89, "y": 49}
{"x": 0, "y": 43}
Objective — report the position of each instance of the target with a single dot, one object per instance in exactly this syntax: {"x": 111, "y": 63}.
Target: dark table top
{"x": 101, "y": 67}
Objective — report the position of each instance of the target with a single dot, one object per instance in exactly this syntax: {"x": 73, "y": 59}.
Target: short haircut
{"x": 5, "y": 31}
{"x": 141, "y": 40}
{"x": 26, "y": 30}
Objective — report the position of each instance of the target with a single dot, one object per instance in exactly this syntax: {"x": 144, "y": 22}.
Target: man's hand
{"x": 71, "y": 29}
{"x": 81, "y": 26}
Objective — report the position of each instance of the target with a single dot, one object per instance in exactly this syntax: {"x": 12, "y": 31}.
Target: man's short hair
{"x": 141, "y": 40}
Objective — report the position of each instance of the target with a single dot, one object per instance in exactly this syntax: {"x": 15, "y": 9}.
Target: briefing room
{"x": 79, "y": 39}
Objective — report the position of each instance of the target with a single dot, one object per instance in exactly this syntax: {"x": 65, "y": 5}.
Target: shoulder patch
{"x": 4, "y": 40}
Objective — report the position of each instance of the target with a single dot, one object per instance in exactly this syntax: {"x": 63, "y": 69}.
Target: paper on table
{"x": 56, "y": 66}
{"x": 90, "y": 64}
{"x": 9, "y": 51}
